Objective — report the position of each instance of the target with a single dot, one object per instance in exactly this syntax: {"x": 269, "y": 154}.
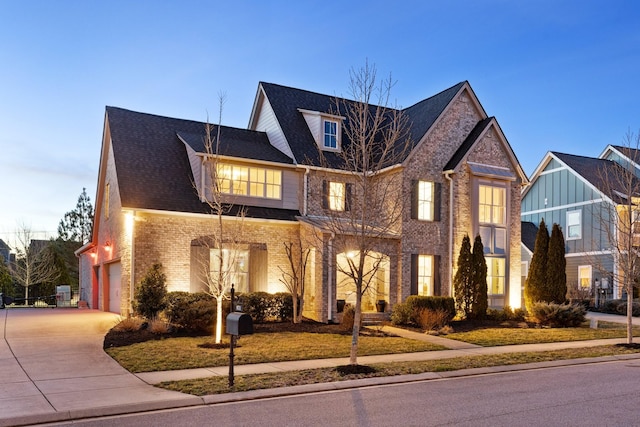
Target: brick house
{"x": 150, "y": 203}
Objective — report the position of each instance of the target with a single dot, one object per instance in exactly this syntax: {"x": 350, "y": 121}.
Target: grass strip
{"x": 186, "y": 353}
{"x": 220, "y": 385}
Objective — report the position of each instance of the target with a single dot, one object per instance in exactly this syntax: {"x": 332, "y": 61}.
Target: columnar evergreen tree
{"x": 463, "y": 280}
{"x": 537, "y": 276}
{"x": 479, "y": 274}
{"x": 556, "y": 281}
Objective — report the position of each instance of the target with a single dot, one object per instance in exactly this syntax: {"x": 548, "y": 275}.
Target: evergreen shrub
{"x": 557, "y": 315}
{"x": 194, "y": 312}
{"x": 150, "y": 293}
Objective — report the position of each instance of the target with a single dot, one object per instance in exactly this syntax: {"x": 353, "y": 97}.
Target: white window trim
{"x": 430, "y": 285}
{"x": 430, "y": 203}
{"x": 588, "y": 268}
{"x": 338, "y": 134}
{"x": 579, "y": 224}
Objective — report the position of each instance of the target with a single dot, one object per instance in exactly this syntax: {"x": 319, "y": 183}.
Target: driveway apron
{"x": 53, "y": 363}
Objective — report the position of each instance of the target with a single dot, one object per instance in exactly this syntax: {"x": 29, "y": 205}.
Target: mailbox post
{"x": 237, "y": 324}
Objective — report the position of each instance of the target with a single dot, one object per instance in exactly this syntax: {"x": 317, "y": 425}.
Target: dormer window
{"x": 330, "y": 134}
{"x": 326, "y": 129}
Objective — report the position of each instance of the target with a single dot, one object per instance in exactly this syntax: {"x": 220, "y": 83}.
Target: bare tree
{"x": 620, "y": 222}
{"x": 34, "y": 263}
{"x": 219, "y": 268}
{"x": 294, "y": 277}
{"x": 369, "y": 205}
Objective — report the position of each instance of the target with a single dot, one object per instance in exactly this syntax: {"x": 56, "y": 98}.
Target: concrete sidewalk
{"x": 54, "y": 368}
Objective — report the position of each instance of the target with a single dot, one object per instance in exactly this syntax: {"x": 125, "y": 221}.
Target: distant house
{"x": 570, "y": 190}
{"x": 151, "y": 200}
{"x": 5, "y": 252}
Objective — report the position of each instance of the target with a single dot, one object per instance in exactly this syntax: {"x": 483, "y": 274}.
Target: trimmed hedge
{"x": 264, "y": 307}
{"x": 408, "y": 313}
{"x": 191, "y": 311}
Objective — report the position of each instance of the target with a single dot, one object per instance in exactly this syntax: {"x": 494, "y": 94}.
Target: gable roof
{"x": 469, "y": 141}
{"x": 152, "y": 165}
{"x": 596, "y": 172}
{"x": 286, "y": 102}
{"x": 632, "y": 154}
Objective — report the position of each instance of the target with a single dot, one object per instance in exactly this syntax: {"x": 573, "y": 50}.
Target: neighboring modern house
{"x": 152, "y": 189}
{"x": 574, "y": 192}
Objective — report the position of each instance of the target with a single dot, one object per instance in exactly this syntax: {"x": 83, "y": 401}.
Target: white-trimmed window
{"x": 330, "y": 134}
{"x": 249, "y": 181}
{"x": 585, "y": 276}
{"x": 495, "y": 276}
{"x": 425, "y": 200}
{"x": 337, "y": 195}
{"x": 425, "y": 275}
{"x": 574, "y": 225}
{"x": 492, "y": 206}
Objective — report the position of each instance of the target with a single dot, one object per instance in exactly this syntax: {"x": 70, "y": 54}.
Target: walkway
{"x": 54, "y": 368}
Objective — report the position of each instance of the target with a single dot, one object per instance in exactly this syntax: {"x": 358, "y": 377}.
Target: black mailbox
{"x": 239, "y": 324}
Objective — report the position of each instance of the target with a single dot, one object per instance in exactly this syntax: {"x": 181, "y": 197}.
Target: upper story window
{"x": 330, "y": 135}
{"x": 107, "y": 194}
{"x": 492, "y": 205}
{"x": 425, "y": 201}
{"x": 574, "y": 225}
{"x": 249, "y": 181}
{"x": 336, "y": 195}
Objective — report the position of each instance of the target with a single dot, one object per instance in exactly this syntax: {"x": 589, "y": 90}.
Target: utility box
{"x": 239, "y": 324}
{"x": 63, "y": 296}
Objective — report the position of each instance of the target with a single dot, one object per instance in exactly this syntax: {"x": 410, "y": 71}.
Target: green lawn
{"x": 490, "y": 337}
{"x": 185, "y": 353}
{"x": 218, "y": 385}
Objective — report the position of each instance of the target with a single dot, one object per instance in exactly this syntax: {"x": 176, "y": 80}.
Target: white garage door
{"x": 115, "y": 272}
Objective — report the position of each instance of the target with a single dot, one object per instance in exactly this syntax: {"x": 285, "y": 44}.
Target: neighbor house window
{"x": 330, "y": 134}
{"x": 584, "y": 276}
{"x": 337, "y": 196}
{"x": 425, "y": 275}
{"x": 495, "y": 276}
{"x": 249, "y": 181}
{"x": 574, "y": 225}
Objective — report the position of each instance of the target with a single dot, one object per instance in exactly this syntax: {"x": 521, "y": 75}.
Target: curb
{"x": 213, "y": 399}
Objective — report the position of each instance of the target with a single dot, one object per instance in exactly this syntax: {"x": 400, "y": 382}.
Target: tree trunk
{"x": 353, "y": 357}
{"x": 630, "y": 313}
{"x": 296, "y": 319}
{"x": 219, "y": 320}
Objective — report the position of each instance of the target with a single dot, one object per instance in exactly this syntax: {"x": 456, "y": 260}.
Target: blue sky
{"x": 558, "y": 75}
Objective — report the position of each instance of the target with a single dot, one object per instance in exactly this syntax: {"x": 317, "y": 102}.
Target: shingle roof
{"x": 529, "y": 231}
{"x": 467, "y": 144}
{"x": 632, "y": 153}
{"x": 598, "y": 172}
{"x": 153, "y": 168}
{"x": 286, "y": 101}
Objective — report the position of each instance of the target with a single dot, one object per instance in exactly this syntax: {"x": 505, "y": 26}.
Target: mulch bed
{"x": 123, "y": 338}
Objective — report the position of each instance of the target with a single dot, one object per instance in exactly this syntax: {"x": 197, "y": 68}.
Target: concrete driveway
{"x": 53, "y": 368}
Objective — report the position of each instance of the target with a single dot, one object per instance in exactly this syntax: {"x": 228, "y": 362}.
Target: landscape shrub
{"x": 191, "y": 311}
{"x": 348, "y": 317}
{"x": 150, "y": 293}
{"x": 264, "y": 307}
{"x": 622, "y": 308}
{"x": 129, "y": 324}
{"x": 506, "y": 314}
{"x": 401, "y": 314}
{"x": 557, "y": 315}
{"x": 410, "y": 312}
{"x": 159, "y": 326}
{"x": 432, "y": 320}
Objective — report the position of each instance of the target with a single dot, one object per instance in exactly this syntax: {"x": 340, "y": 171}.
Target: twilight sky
{"x": 558, "y": 75}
